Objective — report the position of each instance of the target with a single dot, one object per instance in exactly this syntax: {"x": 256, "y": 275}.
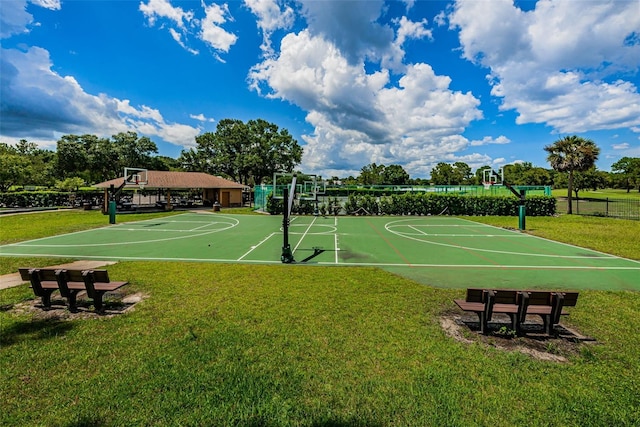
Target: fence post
{"x": 607, "y": 208}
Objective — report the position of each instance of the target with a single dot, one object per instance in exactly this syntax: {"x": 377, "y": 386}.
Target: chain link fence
{"x": 614, "y": 208}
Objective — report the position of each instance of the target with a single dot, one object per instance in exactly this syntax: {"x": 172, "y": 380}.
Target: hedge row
{"x": 43, "y": 199}
{"x": 428, "y": 204}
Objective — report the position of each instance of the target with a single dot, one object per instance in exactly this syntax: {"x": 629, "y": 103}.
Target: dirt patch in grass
{"x": 534, "y": 342}
{"x": 114, "y": 305}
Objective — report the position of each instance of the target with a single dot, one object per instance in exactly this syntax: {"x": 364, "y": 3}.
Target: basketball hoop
{"x": 487, "y": 185}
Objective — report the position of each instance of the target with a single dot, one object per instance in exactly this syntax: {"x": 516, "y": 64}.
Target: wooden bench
{"x": 549, "y": 305}
{"x": 486, "y": 302}
{"x": 44, "y": 281}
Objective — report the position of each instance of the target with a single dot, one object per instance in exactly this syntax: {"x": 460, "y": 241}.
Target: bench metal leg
{"x": 548, "y": 324}
{"x": 97, "y": 302}
{"x": 72, "y": 300}
{"x": 46, "y": 297}
{"x": 482, "y": 319}
{"x": 515, "y": 325}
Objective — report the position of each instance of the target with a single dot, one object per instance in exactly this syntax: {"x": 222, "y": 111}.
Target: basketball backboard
{"x": 136, "y": 177}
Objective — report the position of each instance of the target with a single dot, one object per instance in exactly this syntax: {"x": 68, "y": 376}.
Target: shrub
{"x": 412, "y": 203}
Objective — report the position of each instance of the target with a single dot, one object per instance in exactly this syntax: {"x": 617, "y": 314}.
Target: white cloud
{"x": 361, "y": 117}
{"x": 38, "y": 103}
{"x": 553, "y": 65}
{"x": 201, "y": 117}
{"x": 409, "y": 4}
{"x": 411, "y": 30}
{"x": 407, "y": 30}
{"x": 490, "y": 140}
{"x": 155, "y": 9}
{"x": 271, "y": 17}
{"x": 352, "y": 27}
{"x": 208, "y": 29}
{"x": 440, "y": 19}
{"x": 178, "y": 38}
{"x": 212, "y": 33}
{"x": 48, "y": 4}
{"x": 14, "y": 18}
{"x": 623, "y": 146}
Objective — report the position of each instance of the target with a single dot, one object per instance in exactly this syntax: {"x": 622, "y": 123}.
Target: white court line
{"x": 254, "y": 247}
{"x": 305, "y": 233}
{"x": 487, "y": 266}
{"x": 606, "y": 255}
{"x": 203, "y": 226}
{"x": 496, "y": 251}
{"x": 350, "y": 264}
{"x": 449, "y": 225}
{"x": 336, "y": 246}
{"x": 136, "y": 258}
{"x": 29, "y": 244}
{"x": 153, "y": 230}
{"x": 422, "y": 233}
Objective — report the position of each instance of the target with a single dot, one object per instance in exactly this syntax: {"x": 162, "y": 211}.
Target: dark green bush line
{"x": 427, "y": 204}
{"x": 41, "y": 199}
{"x": 305, "y": 207}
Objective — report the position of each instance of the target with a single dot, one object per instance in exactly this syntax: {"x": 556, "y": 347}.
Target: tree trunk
{"x": 569, "y": 201}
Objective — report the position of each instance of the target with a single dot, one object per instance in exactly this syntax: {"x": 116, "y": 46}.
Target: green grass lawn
{"x": 289, "y": 345}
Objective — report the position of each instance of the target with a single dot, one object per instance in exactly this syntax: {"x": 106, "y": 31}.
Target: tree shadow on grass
{"x": 259, "y": 421}
{"x": 87, "y": 421}
{"x": 34, "y": 330}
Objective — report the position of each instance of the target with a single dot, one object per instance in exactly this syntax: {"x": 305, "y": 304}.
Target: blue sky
{"x": 355, "y": 82}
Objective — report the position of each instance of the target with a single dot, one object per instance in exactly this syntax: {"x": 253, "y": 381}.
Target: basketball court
{"x": 434, "y": 250}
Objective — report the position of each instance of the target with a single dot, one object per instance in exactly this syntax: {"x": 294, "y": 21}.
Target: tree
{"x": 271, "y": 150}
{"x": 164, "y": 163}
{"x": 395, "y": 175}
{"x": 629, "y": 170}
{"x": 590, "y": 179}
{"x": 13, "y": 167}
{"x": 371, "y": 174}
{"x": 70, "y": 184}
{"x": 479, "y": 175}
{"x": 25, "y": 164}
{"x": 442, "y": 174}
{"x": 572, "y": 154}
{"x": 71, "y": 155}
{"x": 134, "y": 151}
{"x": 462, "y": 173}
{"x": 245, "y": 152}
{"x": 526, "y": 174}
{"x": 224, "y": 152}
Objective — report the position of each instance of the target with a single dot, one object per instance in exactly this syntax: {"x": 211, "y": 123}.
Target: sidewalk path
{"x": 13, "y": 279}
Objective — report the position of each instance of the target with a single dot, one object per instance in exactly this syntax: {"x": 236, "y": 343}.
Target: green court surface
{"x": 439, "y": 251}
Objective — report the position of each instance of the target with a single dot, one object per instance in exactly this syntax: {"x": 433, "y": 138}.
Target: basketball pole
{"x": 522, "y": 210}
{"x": 287, "y": 202}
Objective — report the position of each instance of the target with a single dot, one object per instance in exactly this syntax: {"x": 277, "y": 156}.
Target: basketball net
{"x": 487, "y": 185}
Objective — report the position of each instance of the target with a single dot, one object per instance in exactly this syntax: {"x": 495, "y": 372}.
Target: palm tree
{"x": 572, "y": 154}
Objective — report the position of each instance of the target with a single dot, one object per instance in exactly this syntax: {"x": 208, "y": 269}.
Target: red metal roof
{"x": 171, "y": 180}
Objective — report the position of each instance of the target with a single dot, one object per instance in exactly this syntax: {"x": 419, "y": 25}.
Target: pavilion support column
{"x": 105, "y": 202}
{"x": 169, "y": 207}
